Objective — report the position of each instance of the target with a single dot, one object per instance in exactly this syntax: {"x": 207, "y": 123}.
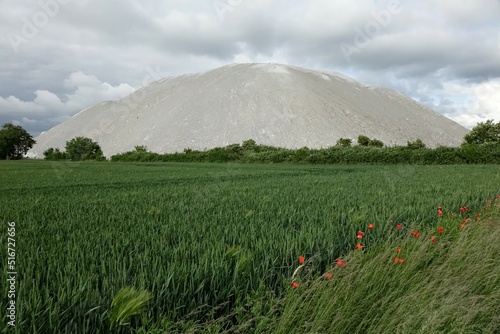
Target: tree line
{"x": 480, "y": 145}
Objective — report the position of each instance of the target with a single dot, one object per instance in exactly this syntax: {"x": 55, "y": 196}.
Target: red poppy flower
{"x": 371, "y": 226}
{"x": 415, "y": 234}
{"x": 360, "y": 233}
{"x": 301, "y": 259}
{"x": 398, "y": 250}
{"x": 478, "y": 214}
{"x": 462, "y": 226}
{"x": 488, "y": 201}
{"x": 359, "y": 246}
{"x": 359, "y": 236}
{"x": 398, "y": 226}
{"x": 328, "y": 276}
{"x": 433, "y": 239}
{"x": 440, "y": 213}
{"x": 295, "y": 285}
{"x": 398, "y": 260}
{"x": 440, "y": 229}
{"x": 341, "y": 263}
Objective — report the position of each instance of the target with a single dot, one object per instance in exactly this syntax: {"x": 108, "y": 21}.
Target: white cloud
{"x": 12, "y": 104}
{"x": 49, "y": 108}
{"x": 88, "y": 90}
{"x": 48, "y": 100}
{"x": 474, "y": 102}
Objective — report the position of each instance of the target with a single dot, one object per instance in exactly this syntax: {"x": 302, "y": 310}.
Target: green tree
{"x": 141, "y": 149}
{"x": 249, "y": 144}
{"x": 344, "y": 142}
{"x": 82, "y": 148}
{"x": 376, "y": 143}
{"x": 363, "y": 140}
{"x": 15, "y": 142}
{"x": 415, "y": 145}
{"x": 483, "y": 133}
{"x": 54, "y": 154}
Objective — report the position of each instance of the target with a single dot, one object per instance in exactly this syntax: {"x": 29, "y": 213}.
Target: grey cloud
{"x": 421, "y": 48}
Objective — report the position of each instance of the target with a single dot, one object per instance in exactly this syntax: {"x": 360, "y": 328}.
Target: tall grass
{"x": 451, "y": 286}
{"x": 128, "y": 302}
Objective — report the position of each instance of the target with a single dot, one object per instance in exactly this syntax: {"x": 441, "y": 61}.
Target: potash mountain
{"x": 279, "y": 105}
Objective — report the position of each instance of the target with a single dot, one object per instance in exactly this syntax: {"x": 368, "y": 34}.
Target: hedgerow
{"x": 466, "y": 154}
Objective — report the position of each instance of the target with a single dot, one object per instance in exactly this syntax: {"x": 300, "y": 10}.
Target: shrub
{"x": 344, "y": 142}
{"x": 141, "y": 149}
{"x": 483, "y": 133}
{"x": 249, "y": 145}
{"x": 82, "y": 148}
{"x": 54, "y": 154}
{"x": 363, "y": 140}
{"x": 415, "y": 145}
{"x": 376, "y": 143}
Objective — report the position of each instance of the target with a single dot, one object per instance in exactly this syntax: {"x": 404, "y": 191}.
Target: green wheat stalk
{"x": 126, "y": 303}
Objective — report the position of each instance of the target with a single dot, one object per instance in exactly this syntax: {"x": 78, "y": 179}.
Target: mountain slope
{"x": 274, "y": 104}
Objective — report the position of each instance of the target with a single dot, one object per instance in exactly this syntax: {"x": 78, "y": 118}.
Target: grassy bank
{"x": 446, "y": 280}
{"x": 449, "y": 282}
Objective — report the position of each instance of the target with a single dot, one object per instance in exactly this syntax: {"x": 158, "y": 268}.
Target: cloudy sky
{"x": 58, "y": 57}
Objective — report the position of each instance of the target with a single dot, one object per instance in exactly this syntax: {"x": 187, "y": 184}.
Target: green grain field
{"x": 202, "y": 239}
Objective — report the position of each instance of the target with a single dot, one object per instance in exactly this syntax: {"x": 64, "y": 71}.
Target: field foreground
{"x": 216, "y": 245}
